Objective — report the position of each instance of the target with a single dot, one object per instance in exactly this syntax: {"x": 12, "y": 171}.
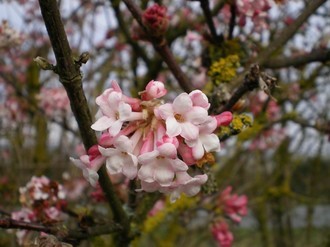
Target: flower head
{"x": 152, "y": 141}
{"x": 234, "y": 206}
{"x": 155, "y": 18}
{"x": 222, "y": 234}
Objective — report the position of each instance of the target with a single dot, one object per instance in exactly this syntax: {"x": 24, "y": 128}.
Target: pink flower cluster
{"x": 44, "y": 197}
{"x": 54, "y": 101}
{"x": 257, "y": 10}
{"x": 155, "y": 18}
{"x": 233, "y": 205}
{"x": 153, "y": 141}
{"x": 9, "y": 37}
{"x": 222, "y": 235}
{"x": 42, "y": 200}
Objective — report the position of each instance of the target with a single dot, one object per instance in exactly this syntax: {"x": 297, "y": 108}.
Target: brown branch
{"x": 63, "y": 234}
{"x": 232, "y": 22}
{"x": 71, "y": 78}
{"x": 319, "y": 55}
{"x": 208, "y": 18}
{"x": 288, "y": 32}
{"x": 160, "y": 45}
{"x": 250, "y": 83}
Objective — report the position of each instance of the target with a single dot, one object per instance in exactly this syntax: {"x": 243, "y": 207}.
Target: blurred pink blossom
{"x": 222, "y": 234}
{"x": 233, "y": 205}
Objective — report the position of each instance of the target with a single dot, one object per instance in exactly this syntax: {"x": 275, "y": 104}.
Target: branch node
{"x": 83, "y": 58}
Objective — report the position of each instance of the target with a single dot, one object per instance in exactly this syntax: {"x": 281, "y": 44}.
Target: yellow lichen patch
{"x": 238, "y": 124}
{"x": 208, "y": 158}
{"x": 224, "y": 69}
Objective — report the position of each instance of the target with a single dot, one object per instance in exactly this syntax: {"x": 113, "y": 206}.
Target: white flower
{"x": 160, "y": 166}
{"x": 120, "y": 160}
{"x": 206, "y": 140}
{"x": 89, "y": 171}
{"x": 182, "y": 117}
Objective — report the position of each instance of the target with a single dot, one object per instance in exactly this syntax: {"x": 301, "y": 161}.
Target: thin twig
{"x": 232, "y": 22}
{"x": 160, "y": 45}
{"x": 250, "y": 83}
{"x": 208, "y": 17}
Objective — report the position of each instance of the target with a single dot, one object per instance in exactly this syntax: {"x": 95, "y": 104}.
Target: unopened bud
{"x": 43, "y": 63}
{"x": 156, "y": 20}
{"x": 84, "y": 57}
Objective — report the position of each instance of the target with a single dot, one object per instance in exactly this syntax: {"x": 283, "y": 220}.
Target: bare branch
{"x": 70, "y": 236}
{"x": 208, "y": 18}
{"x": 71, "y": 78}
{"x": 319, "y": 55}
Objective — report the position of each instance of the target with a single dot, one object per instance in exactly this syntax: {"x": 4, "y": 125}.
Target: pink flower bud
{"x": 154, "y": 90}
{"x": 224, "y": 118}
{"x": 156, "y": 19}
{"x": 222, "y": 234}
{"x": 148, "y": 144}
{"x": 106, "y": 140}
{"x": 93, "y": 152}
{"x": 167, "y": 139}
{"x": 186, "y": 154}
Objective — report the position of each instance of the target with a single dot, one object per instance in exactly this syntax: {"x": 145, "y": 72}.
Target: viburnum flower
{"x": 26, "y": 215}
{"x": 120, "y": 159}
{"x": 152, "y": 141}
{"x": 186, "y": 184}
{"x": 182, "y": 117}
{"x": 89, "y": 164}
{"x": 233, "y": 205}
{"x": 160, "y": 165}
{"x": 222, "y": 234}
{"x": 115, "y": 111}
{"x": 154, "y": 90}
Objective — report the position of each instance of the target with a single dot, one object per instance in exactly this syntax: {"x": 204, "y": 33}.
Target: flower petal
{"x": 182, "y": 104}
{"x": 108, "y": 151}
{"x": 168, "y": 150}
{"x": 124, "y": 111}
{"x": 178, "y": 165}
{"x": 114, "y": 165}
{"x": 196, "y": 116}
{"x": 115, "y": 127}
{"x": 146, "y": 174}
{"x": 164, "y": 175}
{"x": 123, "y": 143}
{"x": 211, "y": 142}
{"x": 198, "y": 150}
{"x": 102, "y": 123}
{"x": 148, "y": 158}
{"x": 130, "y": 171}
{"x": 92, "y": 177}
{"x": 199, "y": 99}
{"x": 173, "y": 128}
{"x": 189, "y": 131}
{"x": 164, "y": 111}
